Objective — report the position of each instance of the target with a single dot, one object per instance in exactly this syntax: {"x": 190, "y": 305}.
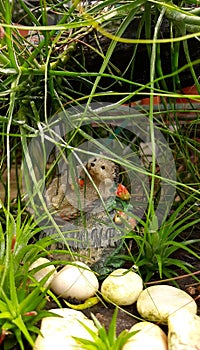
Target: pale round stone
{"x": 156, "y": 303}
{"x": 150, "y": 336}
{"x": 184, "y": 330}
{"x": 122, "y": 287}
{"x": 39, "y": 275}
{"x": 58, "y": 332}
{"x": 75, "y": 281}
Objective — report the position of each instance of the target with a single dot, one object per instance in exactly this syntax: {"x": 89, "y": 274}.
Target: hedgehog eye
{"x": 103, "y": 167}
{"x": 92, "y": 164}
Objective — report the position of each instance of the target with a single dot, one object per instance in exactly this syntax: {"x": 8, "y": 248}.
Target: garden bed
{"x": 63, "y": 58}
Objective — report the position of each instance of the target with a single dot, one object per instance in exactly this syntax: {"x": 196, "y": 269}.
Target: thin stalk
{"x": 151, "y": 114}
{"x": 187, "y": 54}
{"x": 29, "y": 13}
{"x": 4, "y": 60}
{"x": 8, "y": 154}
{"x": 10, "y": 118}
{"x": 8, "y": 35}
{"x": 110, "y": 51}
{"x": 147, "y": 15}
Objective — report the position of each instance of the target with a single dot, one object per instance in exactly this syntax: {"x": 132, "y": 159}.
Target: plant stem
{"x": 151, "y": 114}
{"x": 8, "y": 35}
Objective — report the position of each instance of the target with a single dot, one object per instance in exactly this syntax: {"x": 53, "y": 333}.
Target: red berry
{"x": 122, "y": 192}
{"x": 81, "y": 182}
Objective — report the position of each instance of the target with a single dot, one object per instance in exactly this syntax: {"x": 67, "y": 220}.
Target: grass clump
{"x": 22, "y": 302}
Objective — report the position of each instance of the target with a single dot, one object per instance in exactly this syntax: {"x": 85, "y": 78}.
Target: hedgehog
{"x": 97, "y": 181}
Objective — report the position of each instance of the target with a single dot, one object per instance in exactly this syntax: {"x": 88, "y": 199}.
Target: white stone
{"x": 40, "y": 274}
{"x": 184, "y": 330}
{"x": 150, "y": 336}
{"x": 122, "y": 287}
{"x": 58, "y": 332}
{"x": 156, "y": 303}
{"x": 75, "y": 281}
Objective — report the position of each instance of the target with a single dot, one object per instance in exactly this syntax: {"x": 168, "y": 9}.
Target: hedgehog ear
{"x": 90, "y": 161}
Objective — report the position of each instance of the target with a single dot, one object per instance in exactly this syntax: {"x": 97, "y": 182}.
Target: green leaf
{"x": 112, "y": 328}
{"x": 9, "y": 304}
{"x": 13, "y": 289}
{"x": 6, "y": 315}
{"x": 153, "y": 225}
{"x": 33, "y": 299}
{"x": 3, "y": 306}
{"x": 22, "y": 327}
{"x": 122, "y": 339}
{"x": 160, "y": 265}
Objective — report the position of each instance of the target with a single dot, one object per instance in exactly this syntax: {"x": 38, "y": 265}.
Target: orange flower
{"x": 122, "y": 192}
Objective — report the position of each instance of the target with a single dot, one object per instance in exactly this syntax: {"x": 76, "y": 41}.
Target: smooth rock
{"x": 150, "y": 336}
{"x": 156, "y": 303}
{"x": 122, "y": 287}
{"x": 184, "y": 330}
{"x": 40, "y": 274}
{"x": 58, "y": 332}
{"x": 75, "y": 281}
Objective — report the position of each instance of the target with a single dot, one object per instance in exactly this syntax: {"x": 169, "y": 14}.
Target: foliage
{"x": 105, "y": 340}
{"x": 156, "y": 245}
{"x": 22, "y": 300}
{"x": 46, "y": 72}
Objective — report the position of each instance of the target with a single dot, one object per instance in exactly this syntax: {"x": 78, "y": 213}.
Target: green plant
{"x": 156, "y": 245}
{"x": 47, "y": 72}
{"x": 105, "y": 340}
{"x": 22, "y": 300}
